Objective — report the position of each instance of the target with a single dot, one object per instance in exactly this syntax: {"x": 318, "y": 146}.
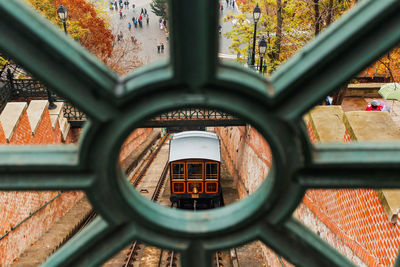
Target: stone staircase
{"x": 23, "y": 124}
{"x": 353, "y": 219}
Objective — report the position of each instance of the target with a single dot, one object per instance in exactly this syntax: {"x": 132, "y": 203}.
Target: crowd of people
{"x": 137, "y": 21}
{"x": 229, "y": 3}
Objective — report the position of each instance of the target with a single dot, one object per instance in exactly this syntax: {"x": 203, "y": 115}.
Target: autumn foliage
{"x": 86, "y": 24}
{"x": 286, "y": 25}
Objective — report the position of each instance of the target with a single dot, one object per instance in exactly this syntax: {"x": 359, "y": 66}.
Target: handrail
{"x": 30, "y": 215}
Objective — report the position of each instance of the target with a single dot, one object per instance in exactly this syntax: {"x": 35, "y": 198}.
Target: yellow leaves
{"x": 3, "y": 61}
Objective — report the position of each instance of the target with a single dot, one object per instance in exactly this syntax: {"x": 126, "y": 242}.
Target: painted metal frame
{"x": 194, "y": 78}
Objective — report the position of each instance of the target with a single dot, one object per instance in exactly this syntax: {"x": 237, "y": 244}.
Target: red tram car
{"x": 194, "y": 162}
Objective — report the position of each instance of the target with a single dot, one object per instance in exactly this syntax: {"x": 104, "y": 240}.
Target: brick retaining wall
{"x": 15, "y": 206}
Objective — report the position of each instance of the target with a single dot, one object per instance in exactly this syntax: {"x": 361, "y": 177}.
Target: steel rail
{"x": 150, "y": 160}
{"x": 234, "y": 258}
{"x": 160, "y": 183}
{"x": 217, "y": 259}
{"x": 171, "y": 261}
{"x": 156, "y": 192}
{"x": 133, "y": 248}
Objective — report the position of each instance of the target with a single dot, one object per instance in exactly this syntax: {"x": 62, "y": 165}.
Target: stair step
{"x": 11, "y": 116}
{"x": 56, "y": 114}
{"x": 35, "y": 112}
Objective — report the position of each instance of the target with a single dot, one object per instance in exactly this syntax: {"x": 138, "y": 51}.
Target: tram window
{"x": 211, "y": 171}
{"x": 178, "y": 171}
{"x": 195, "y": 171}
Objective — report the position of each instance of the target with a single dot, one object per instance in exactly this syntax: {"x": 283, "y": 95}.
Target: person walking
{"x": 141, "y": 12}
{"x": 158, "y": 48}
{"x": 145, "y": 12}
{"x": 147, "y": 20}
{"x": 135, "y": 22}
{"x": 129, "y": 25}
{"x": 120, "y": 14}
{"x": 227, "y": 3}
{"x": 162, "y": 47}
{"x": 233, "y": 4}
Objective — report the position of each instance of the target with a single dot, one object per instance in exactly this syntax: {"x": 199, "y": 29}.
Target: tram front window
{"x": 195, "y": 171}
{"x": 178, "y": 171}
{"x": 211, "y": 171}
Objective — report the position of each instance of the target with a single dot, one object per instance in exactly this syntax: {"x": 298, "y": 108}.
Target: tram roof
{"x": 194, "y": 145}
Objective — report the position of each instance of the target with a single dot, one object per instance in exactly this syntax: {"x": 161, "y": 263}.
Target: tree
{"x": 86, "y": 23}
{"x": 160, "y": 8}
{"x": 287, "y": 25}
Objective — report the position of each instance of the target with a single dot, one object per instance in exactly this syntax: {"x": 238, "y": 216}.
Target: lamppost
{"x": 256, "y": 17}
{"x": 62, "y": 14}
{"x": 262, "y": 47}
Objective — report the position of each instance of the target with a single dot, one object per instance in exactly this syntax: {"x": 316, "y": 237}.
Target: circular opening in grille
{"x": 241, "y": 216}
{"x": 195, "y": 159}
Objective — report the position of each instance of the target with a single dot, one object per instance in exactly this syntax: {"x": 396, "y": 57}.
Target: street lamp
{"x": 262, "y": 47}
{"x": 62, "y": 14}
{"x": 256, "y": 17}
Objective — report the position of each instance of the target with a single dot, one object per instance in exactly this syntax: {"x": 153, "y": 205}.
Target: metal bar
{"x": 91, "y": 246}
{"x": 301, "y": 247}
{"x": 194, "y": 45}
{"x": 348, "y": 45}
{"x": 30, "y": 215}
{"x": 205, "y": 123}
{"x": 47, "y": 53}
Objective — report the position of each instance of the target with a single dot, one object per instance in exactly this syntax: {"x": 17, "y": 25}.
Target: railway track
{"x": 166, "y": 258}
{"x": 135, "y": 246}
{"x": 137, "y": 178}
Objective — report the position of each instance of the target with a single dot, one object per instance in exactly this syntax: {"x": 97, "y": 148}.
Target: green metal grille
{"x": 194, "y": 78}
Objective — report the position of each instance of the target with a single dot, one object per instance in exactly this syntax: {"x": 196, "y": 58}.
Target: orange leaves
{"x": 84, "y": 24}
{"x": 96, "y": 36}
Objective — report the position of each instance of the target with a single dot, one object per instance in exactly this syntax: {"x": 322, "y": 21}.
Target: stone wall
{"x": 17, "y": 206}
{"x": 247, "y": 156}
{"x": 248, "y": 159}
{"x": 353, "y": 221}
{"x": 134, "y": 140}
{"x": 23, "y": 124}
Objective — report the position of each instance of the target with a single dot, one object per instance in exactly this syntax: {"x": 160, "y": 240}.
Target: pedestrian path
{"x": 360, "y": 104}
{"x": 146, "y": 37}
{"x": 224, "y": 42}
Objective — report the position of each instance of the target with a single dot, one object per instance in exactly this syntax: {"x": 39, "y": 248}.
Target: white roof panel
{"x": 194, "y": 145}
